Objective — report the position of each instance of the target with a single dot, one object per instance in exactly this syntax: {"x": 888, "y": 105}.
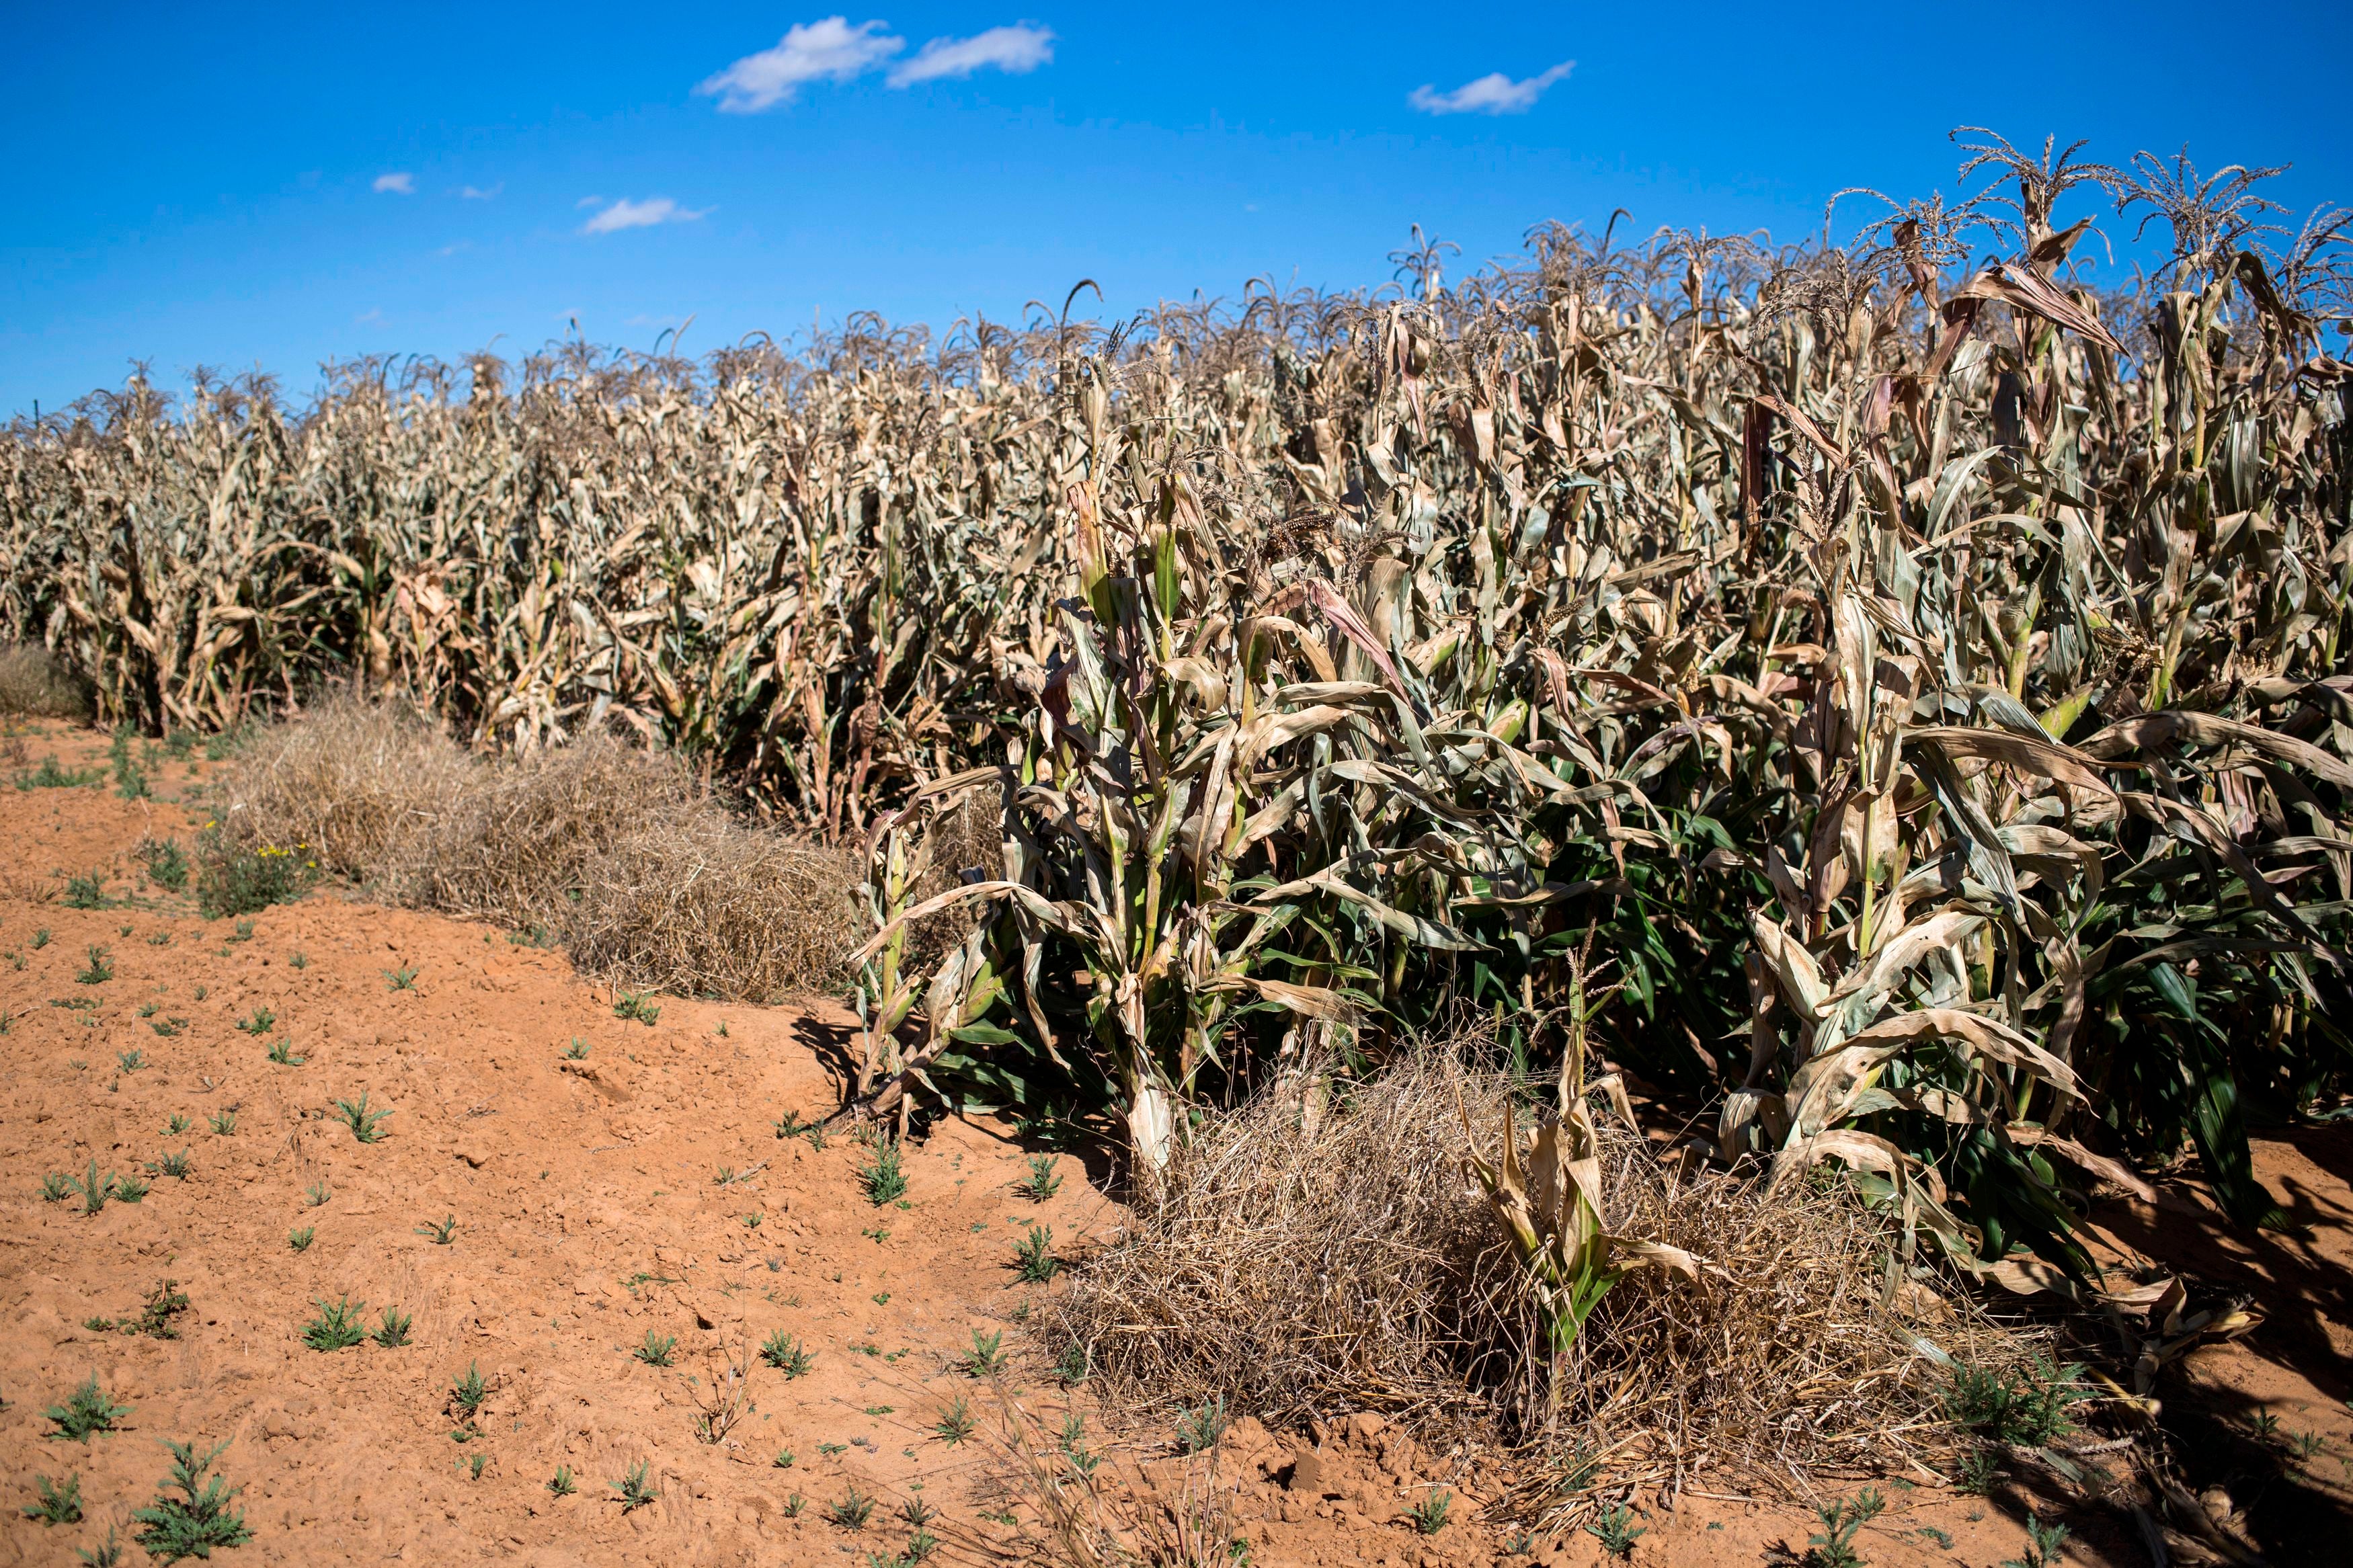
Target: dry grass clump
{"x": 520, "y": 839}
{"x": 700, "y": 904}
{"x": 357, "y": 782}
{"x": 33, "y": 683}
{"x": 1301, "y": 1264}
{"x": 610, "y": 849}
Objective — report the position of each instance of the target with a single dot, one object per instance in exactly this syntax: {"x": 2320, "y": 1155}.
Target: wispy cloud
{"x": 834, "y": 50}
{"x": 829, "y": 50}
{"x": 1493, "y": 93}
{"x": 1018, "y": 50}
{"x": 626, "y": 214}
{"x": 476, "y": 194}
{"x": 399, "y": 185}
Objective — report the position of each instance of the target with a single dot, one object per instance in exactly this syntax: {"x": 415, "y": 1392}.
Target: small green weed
{"x": 852, "y": 1511}
{"x": 317, "y": 1194}
{"x": 164, "y": 1303}
{"x": 467, "y": 1393}
{"x": 394, "y": 1331}
{"x": 881, "y": 1178}
{"x": 1833, "y": 1546}
{"x": 1429, "y": 1513}
{"x": 167, "y": 863}
{"x": 401, "y": 979}
{"x": 130, "y": 1060}
{"x": 785, "y": 1354}
{"x": 58, "y": 1504}
{"x": 2028, "y": 1408}
{"x": 337, "y": 1327}
{"x": 2044, "y": 1544}
{"x": 177, "y": 1125}
{"x": 1616, "y": 1529}
{"x": 173, "y": 1165}
{"x": 635, "y": 1005}
{"x": 956, "y": 1423}
{"x": 86, "y": 892}
{"x": 636, "y": 1488}
{"x": 98, "y": 969}
{"x": 441, "y": 1235}
{"x": 301, "y": 1238}
{"x": 1042, "y": 1182}
{"x": 233, "y": 879}
{"x": 657, "y": 1350}
{"x": 987, "y": 1358}
{"x": 578, "y": 1051}
{"x": 1198, "y": 1431}
{"x": 261, "y": 1022}
{"x": 281, "y": 1051}
{"x": 1034, "y": 1262}
{"x": 224, "y": 1122}
{"x": 85, "y": 1413}
{"x": 363, "y": 1123}
{"x": 561, "y": 1484}
{"x": 198, "y": 1521}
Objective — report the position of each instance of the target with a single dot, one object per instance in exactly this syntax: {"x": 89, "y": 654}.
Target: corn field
{"x": 1911, "y": 687}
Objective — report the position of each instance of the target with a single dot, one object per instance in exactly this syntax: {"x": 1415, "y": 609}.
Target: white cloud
{"x": 586, "y": 202}
{"x": 626, "y": 214}
{"x": 1018, "y": 48}
{"x": 399, "y": 185}
{"x": 476, "y": 194}
{"x": 1493, "y": 93}
{"x": 829, "y": 50}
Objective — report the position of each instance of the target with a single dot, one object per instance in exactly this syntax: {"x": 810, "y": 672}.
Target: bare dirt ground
{"x": 637, "y": 1186}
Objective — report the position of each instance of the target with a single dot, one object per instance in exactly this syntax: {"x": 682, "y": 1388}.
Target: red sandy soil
{"x": 589, "y": 1213}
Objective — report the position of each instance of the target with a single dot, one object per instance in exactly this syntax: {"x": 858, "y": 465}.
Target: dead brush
{"x": 650, "y": 881}
{"x": 1320, "y": 1251}
{"x": 35, "y": 683}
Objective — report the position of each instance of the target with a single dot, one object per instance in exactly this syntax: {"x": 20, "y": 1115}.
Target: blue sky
{"x": 277, "y": 186}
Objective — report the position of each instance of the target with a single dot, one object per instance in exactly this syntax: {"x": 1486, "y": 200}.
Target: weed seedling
{"x": 223, "y": 1123}
{"x": 87, "y": 892}
{"x": 262, "y": 1021}
{"x": 108, "y": 1555}
{"x": 164, "y": 1303}
{"x": 196, "y": 1521}
{"x": 578, "y": 1051}
{"x": 1616, "y": 1529}
{"x": 1198, "y": 1431}
{"x": 465, "y": 1395}
{"x": 1834, "y": 1546}
{"x": 173, "y": 1165}
{"x": 299, "y": 959}
{"x": 362, "y": 1121}
{"x": 441, "y": 1235}
{"x": 1977, "y": 1472}
{"x": 98, "y": 972}
{"x": 336, "y": 1327}
{"x": 477, "y": 1464}
{"x": 40, "y": 938}
{"x": 1070, "y": 1366}
{"x": 784, "y": 1460}
{"x": 317, "y": 1194}
{"x": 2043, "y": 1544}
{"x": 2029, "y": 1409}
{"x": 1429, "y": 1513}
{"x": 1043, "y": 1183}
{"x": 166, "y": 862}
{"x": 987, "y": 1358}
{"x": 2304, "y": 1444}
{"x": 852, "y": 1511}
{"x": 394, "y": 1333}
{"x": 177, "y": 1125}
{"x": 785, "y": 1354}
{"x": 281, "y": 1051}
{"x": 561, "y": 1483}
{"x": 956, "y": 1423}
{"x": 635, "y": 1005}
{"x": 85, "y": 1414}
{"x": 794, "y": 1504}
{"x": 2265, "y": 1426}
{"x": 1034, "y": 1262}
{"x": 58, "y": 1504}
{"x": 636, "y": 1488}
{"x": 57, "y": 1187}
{"x": 656, "y": 1350}
{"x": 130, "y": 1060}
{"x": 128, "y": 1189}
{"x": 881, "y": 1178}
